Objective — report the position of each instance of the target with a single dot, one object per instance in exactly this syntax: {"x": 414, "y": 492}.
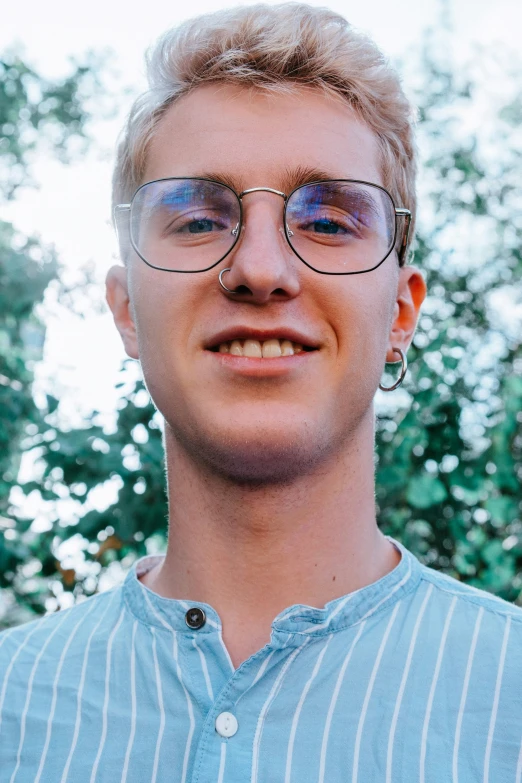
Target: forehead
{"x": 253, "y": 138}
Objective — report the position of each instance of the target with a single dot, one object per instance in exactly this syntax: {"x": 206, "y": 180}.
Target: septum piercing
{"x": 228, "y": 268}
{"x": 221, "y": 283}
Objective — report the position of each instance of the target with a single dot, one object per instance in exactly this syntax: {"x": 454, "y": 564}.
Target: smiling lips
{"x": 257, "y": 343}
{"x": 255, "y": 349}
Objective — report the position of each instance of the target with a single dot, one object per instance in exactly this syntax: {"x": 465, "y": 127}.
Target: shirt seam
{"x": 485, "y": 603}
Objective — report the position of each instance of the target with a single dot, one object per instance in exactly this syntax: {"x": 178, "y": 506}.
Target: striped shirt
{"x": 415, "y": 677}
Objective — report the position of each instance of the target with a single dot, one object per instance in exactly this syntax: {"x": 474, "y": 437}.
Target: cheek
{"x": 160, "y": 310}
{"x": 361, "y": 317}
{"x": 362, "y": 313}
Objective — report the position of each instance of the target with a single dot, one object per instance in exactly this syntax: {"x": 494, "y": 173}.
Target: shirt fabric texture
{"x": 415, "y": 677}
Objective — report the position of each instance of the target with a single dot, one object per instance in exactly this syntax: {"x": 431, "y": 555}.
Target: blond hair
{"x": 274, "y": 48}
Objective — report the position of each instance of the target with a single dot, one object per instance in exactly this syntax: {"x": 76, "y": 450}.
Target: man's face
{"x": 256, "y": 419}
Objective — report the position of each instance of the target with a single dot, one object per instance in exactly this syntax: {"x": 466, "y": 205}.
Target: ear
{"x": 117, "y": 295}
{"x": 411, "y": 292}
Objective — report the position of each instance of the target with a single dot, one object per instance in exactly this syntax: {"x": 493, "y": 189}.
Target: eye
{"x": 192, "y": 225}
{"x": 330, "y": 225}
{"x": 199, "y": 226}
{"x": 325, "y": 226}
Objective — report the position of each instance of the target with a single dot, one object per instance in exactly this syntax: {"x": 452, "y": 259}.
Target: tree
{"x": 449, "y": 463}
{"x": 33, "y": 112}
{"x": 450, "y": 466}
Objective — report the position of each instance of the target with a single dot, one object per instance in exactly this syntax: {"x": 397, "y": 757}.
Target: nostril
{"x": 243, "y": 289}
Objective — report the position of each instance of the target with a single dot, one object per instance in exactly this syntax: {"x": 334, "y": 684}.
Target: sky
{"x": 71, "y": 206}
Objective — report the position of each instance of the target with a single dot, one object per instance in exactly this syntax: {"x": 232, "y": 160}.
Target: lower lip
{"x": 257, "y": 367}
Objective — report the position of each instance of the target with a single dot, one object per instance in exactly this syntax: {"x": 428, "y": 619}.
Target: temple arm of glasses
{"x": 118, "y": 210}
{"x": 407, "y": 214}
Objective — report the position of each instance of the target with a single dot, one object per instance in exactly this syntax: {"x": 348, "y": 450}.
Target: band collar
{"x": 353, "y": 608}
{"x": 169, "y": 613}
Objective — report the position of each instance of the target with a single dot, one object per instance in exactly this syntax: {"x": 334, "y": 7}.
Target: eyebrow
{"x": 291, "y": 178}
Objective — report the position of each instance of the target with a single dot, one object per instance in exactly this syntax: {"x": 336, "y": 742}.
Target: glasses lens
{"x": 341, "y": 226}
{"x": 184, "y": 225}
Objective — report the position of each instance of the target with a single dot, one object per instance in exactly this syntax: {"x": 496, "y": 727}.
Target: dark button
{"x": 195, "y": 618}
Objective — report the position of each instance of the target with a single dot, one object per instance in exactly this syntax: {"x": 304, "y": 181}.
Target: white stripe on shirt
{"x": 133, "y": 703}
{"x": 495, "y": 700}
{"x": 260, "y": 723}
{"x": 222, "y": 761}
{"x": 81, "y": 687}
{"x": 389, "y": 758}
{"x": 432, "y": 689}
{"x": 464, "y": 694}
{"x": 333, "y": 702}
{"x": 106, "y": 699}
{"x": 204, "y": 668}
{"x": 190, "y": 708}
{"x": 519, "y": 764}
{"x": 12, "y": 663}
{"x": 369, "y": 693}
{"x": 30, "y": 688}
{"x": 297, "y": 713}
{"x": 160, "y": 705}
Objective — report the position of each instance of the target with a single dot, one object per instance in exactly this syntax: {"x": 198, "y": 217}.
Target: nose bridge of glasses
{"x": 255, "y": 190}
{"x": 268, "y": 190}
{"x": 235, "y": 230}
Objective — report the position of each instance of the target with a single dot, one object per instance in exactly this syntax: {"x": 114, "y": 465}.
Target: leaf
{"x": 425, "y": 491}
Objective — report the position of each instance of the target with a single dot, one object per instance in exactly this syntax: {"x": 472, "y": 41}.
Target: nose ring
{"x": 221, "y": 283}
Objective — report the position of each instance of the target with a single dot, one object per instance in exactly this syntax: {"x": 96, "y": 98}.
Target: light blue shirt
{"x": 414, "y": 678}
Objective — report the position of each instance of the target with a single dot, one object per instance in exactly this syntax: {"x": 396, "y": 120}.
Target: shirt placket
{"x": 224, "y": 744}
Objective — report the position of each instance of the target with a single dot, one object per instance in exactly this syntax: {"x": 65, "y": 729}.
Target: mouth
{"x": 273, "y": 348}
{"x": 250, "y": 343}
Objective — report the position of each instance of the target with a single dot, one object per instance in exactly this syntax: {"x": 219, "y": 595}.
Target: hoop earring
{"x": 402, "y": 375}
{"x": 221, "y": 283}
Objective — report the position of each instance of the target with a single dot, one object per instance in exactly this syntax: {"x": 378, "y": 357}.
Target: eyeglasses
{"x": 336, "y": 227}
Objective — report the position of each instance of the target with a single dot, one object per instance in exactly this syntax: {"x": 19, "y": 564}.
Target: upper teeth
{"x": 255, "y": 348}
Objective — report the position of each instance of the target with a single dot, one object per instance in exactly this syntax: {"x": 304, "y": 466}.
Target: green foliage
{"x": 76, "y": 463}
{"x": 33, "y": 112}
{"x": 24, "y": 276}
{"x": 449, "y": 465}
{"x": 449, "y": 477}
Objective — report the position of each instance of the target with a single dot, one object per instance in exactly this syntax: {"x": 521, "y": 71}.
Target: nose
{"x": 262, "y": 266}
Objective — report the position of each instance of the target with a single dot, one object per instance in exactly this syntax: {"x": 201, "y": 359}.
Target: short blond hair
{"x": 274, "y": 48}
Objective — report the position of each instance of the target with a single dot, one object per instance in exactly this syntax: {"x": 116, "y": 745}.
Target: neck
{"x": 252, "y": 552}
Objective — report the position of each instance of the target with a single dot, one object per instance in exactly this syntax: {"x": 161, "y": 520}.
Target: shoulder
{"x": 474, "y": 621}
{"x": 464, "y": 595}
{"x": 47, "y": 636}
{"x": 475, "y": 639}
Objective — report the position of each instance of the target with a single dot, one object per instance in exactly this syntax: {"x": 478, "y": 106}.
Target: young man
{"x": 263, "y": 192}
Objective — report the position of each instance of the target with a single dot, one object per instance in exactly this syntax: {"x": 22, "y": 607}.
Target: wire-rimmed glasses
{"x": 336, "y": 227}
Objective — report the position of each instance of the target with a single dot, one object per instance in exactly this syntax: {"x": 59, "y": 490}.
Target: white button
{"x": 226, "y": 724}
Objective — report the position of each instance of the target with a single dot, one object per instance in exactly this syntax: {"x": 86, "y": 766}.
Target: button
{"x": 195, "y": 618}
{"x": 226, "y": 724}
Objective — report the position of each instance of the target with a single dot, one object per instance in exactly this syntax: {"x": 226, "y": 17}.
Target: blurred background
{"x": 81, "y": 466}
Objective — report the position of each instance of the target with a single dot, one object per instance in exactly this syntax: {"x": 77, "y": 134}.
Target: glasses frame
{"x": 399, "y": 212}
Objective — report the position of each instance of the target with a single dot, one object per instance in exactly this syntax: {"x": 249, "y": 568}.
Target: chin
{"x": 258, "y": 457}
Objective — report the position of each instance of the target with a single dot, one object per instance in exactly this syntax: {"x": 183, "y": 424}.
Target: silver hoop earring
{"x": 221, "y": 283}
{"x": 402, "y": 375}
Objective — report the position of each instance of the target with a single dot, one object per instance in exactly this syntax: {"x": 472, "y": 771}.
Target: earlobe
{"x": 411, "y": 293}
{"x": 117, "y": 296}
